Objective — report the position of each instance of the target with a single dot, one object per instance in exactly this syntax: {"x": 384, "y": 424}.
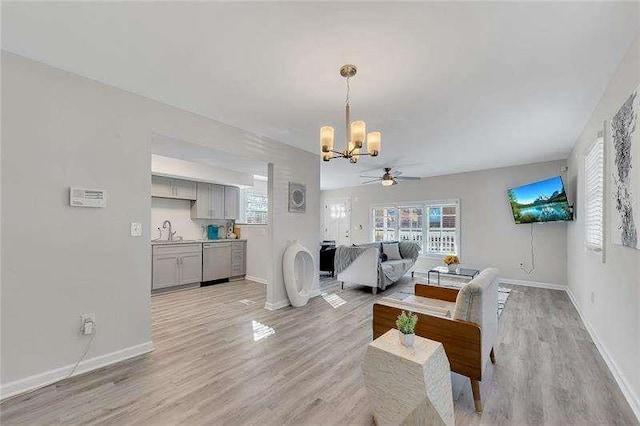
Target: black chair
{"x": 327, "y": 255}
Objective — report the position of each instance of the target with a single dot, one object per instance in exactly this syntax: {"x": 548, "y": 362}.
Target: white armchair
{"x": 465, "y": 321}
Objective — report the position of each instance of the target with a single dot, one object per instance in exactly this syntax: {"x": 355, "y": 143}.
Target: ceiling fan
{"x": 389, "y": 177}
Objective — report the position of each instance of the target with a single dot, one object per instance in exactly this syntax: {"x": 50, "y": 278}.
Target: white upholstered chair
{"x": 465, "y": 321}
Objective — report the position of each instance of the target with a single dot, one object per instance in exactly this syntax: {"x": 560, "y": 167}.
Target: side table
{"x": 408, "y": 385}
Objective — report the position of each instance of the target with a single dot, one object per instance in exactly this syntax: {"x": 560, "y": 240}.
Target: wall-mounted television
{"x": 543, "y": 201}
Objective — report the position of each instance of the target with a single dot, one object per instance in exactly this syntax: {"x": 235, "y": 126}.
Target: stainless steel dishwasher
{"x": 216, "y": 261}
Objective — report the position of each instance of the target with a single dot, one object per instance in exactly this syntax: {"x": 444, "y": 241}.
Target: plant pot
{"x": 406, "y": 339}
{"x": 452, "y": 267}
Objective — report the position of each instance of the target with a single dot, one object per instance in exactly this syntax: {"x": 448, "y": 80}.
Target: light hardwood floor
{"x": 208, "y": 367}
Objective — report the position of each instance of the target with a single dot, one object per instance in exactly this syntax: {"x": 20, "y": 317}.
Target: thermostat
{"x": 83, "y": 197}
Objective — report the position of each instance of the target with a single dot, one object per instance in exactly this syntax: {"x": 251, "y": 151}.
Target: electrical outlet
{"x": 88, "y": 323}
{"x": 136, "y": 229}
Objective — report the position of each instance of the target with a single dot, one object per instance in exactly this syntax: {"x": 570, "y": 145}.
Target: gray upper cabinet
{"x": 165, "y": 187}
{"x": 201, "y": 209}
{"x": 161, "y": 187}
{"x": 217, "y": 202}
{"x": 211, "y": 202}
{"x": 231, "y": 202}
{"x": 185, "y": 189}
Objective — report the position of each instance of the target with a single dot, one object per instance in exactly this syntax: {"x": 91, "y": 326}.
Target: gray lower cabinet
{"x": 238, "y": 258}
{"x": 176, "y": 265}
{"x": 184, "y": 263}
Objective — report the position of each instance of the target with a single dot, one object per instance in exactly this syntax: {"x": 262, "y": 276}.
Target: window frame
{"x": 589, "y": 247}
{"x": 244, "y": 209}
{"x": 425, "y": 205}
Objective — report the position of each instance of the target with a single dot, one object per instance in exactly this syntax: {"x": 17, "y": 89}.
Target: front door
{"x": 337, "y": 220}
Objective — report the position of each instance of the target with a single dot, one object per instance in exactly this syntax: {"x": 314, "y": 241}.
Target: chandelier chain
{"x": 348, "y": 92}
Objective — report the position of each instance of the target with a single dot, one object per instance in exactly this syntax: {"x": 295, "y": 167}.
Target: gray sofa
{"x": 362, "y": 264}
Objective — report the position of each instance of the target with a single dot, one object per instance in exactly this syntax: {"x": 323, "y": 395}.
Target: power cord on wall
{"x": 73, "y": 370}
{"x": 93, "y": 336}
{"x": 533, "y": 257}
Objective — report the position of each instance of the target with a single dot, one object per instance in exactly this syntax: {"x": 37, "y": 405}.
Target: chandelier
{"x": 356, "y": 132}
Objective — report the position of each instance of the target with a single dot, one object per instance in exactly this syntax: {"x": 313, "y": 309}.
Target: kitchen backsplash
{"x": 178, "y": 212}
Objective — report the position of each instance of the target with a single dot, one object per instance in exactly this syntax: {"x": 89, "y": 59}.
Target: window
{"x": 442, "y": 230}
{"x": 385, "y": 224}
{"x": 255, "y": 208}
{"x": 434, "y": 226}
{"x": 594, "y": 195}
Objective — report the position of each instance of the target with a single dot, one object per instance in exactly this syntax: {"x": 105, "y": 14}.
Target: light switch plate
{"x": 136, "y": 229}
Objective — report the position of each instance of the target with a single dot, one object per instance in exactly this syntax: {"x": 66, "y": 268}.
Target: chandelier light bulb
{"x": 326, "y": 138}
{"x": 358, "y": 132}
{"x": 374, "y": 140}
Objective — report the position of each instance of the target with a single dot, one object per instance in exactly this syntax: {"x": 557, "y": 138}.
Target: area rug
{"x": 503, "y": 295}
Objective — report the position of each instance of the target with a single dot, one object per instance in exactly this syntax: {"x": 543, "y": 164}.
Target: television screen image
{"x": 544, "y": 201}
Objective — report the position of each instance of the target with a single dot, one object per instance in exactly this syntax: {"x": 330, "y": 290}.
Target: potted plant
{"x": 452, "y": 262}
{"x": 406, "y": 324}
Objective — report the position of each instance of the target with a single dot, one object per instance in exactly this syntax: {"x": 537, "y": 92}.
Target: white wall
{"x": 178, "y": 212}
{"x": 60, "y": 129}
{"x": 488, "y": 233}
{"x": 257, "y": 249}
{"x": 189, "y": 170}
{"x": 614, "y": 315}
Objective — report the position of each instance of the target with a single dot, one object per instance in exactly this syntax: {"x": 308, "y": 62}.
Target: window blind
{"x": 594, "y": 196}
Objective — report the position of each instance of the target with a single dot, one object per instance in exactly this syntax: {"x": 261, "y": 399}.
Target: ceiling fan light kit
{"x": 389, "y": 177}
{"x": 356, "y": 132}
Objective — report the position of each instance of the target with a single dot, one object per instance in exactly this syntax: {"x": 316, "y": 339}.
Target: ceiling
{"x": 452, "y": 86}
{"x": 174, "y": 148}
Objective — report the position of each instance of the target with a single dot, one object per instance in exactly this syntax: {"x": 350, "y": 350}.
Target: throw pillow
{"x": 392, "y": 251}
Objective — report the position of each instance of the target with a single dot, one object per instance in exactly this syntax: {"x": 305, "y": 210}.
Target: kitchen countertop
{"x": 219, "y": 240}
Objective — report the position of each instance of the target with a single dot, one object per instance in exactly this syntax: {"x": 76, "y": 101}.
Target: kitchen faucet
{"x": 171, "y": 234}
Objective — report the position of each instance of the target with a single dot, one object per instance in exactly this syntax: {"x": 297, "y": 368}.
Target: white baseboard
{"x": 276, "y": 305}
{"x": 48, "y": 377}
{"x": 550, "y": 286}
{"x": 284, "y": 303}
{"x": 629, "y": 395}
{"x": 256, "y": 279}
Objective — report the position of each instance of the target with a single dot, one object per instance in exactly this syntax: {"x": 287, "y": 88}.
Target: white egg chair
{"x": 298, "y": 271}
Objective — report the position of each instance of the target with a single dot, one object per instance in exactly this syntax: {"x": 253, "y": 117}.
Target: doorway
{"x": 337, "y": 220}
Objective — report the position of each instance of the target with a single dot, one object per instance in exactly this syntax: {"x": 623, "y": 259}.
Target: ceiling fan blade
{"x": 396, "y": 173}
{"x": 370, "y": 177}
{"x": 370, "y": 181}
{"x": 408, "y": 178}
{"x": 395, "y": 182}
